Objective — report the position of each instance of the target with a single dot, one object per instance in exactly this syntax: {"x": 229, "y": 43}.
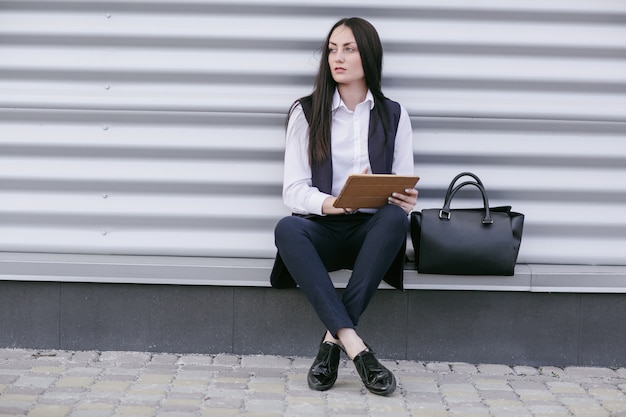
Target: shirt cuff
{"x": 315, "y": 203}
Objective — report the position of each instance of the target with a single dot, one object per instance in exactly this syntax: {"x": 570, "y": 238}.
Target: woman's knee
{"x": 283, "y": 227}
{"x": 393, "y": 216}
{"x": 286, "y": 229}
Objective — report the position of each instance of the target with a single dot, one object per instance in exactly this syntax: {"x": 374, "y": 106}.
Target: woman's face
{"x": 344, "y": 58}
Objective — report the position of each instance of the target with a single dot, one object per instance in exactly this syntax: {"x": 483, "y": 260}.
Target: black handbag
{"x": 466, "y": 241}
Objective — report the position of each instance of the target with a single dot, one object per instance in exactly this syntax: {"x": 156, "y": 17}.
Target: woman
{"x": 345, "y": 126}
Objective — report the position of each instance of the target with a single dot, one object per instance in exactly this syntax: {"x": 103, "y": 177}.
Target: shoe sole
{"x": 386, "y": 392}
{"x": 321, "y": 387}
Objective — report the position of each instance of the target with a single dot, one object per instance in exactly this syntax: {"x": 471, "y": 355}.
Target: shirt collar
{"x": 338, "y": 102}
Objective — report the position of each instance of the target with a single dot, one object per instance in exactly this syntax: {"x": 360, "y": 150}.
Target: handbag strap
{"x": 445, "y": 213}
{"x": 453, "y": 182}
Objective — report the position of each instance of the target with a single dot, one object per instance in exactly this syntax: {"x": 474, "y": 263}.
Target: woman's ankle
{"x": 328, "y": 337}
{"x": 352, "y": 343}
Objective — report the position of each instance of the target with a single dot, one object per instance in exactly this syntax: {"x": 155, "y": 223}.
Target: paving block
{"x": 45, "y": 410}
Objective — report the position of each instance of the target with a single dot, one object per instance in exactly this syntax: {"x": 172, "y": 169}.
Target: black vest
{"x": 381, "y": 143}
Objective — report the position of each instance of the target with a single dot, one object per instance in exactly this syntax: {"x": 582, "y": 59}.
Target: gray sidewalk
{"x": 99, "y": 384}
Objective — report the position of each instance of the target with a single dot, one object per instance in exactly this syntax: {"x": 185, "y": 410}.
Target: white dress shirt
{"x": 349, "y": 144}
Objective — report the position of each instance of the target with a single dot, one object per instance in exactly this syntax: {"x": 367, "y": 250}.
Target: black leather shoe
{"x": 377, "y": 379}
{"x": 323, "y": 372}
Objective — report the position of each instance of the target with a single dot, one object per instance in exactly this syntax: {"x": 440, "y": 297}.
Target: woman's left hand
{"x": 406, "y": 201}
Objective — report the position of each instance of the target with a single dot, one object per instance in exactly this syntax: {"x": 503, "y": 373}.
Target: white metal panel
{"x": 155, "y": 127}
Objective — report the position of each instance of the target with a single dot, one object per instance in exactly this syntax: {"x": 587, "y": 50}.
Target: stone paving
{"x": 102, "y": 384}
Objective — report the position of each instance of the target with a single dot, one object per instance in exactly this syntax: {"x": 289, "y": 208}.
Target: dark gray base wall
{"x": 513, "y": 328}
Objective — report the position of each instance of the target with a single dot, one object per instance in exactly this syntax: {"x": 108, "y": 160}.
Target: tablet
{"x": 372, "y": 190}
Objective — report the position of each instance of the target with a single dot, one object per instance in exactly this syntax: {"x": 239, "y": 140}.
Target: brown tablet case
{"x": 372, "y": 190}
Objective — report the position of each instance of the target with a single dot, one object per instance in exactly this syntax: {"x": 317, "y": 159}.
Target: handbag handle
{"x": 445, "y": 212}
{"x": 462, "y": 174}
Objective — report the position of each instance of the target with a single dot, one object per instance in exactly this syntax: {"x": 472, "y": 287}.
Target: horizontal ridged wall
{"x": 156, "y": 127}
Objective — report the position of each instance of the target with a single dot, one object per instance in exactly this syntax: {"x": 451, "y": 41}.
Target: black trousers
{"x": 365, "y": 243}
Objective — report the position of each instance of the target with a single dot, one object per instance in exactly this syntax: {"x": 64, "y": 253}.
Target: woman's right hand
{"x": 329, "y": 209}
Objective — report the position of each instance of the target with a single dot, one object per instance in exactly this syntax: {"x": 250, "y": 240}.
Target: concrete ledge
{"x": 508, "y": 327}
{"x": 248, "y": 272}
{"x": 544, "y": 314}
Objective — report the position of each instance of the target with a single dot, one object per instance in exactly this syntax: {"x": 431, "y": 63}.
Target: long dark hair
{"x": 371, "y": 52}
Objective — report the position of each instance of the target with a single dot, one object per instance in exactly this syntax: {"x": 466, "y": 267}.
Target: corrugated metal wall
{"x": 156, "y": 127}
